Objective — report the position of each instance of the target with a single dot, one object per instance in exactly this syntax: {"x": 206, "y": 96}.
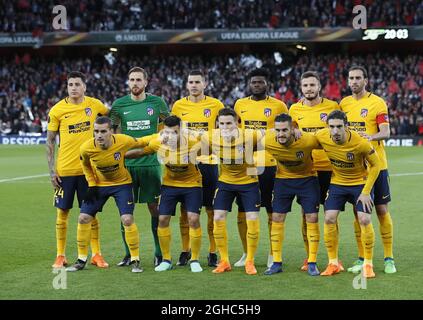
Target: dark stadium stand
{"x": 29, "y": 86}
{"x": 109, "y": 15}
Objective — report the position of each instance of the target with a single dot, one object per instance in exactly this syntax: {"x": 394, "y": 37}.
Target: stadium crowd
{"x": 30, "y": 86}
{"x": 96, "y": 15}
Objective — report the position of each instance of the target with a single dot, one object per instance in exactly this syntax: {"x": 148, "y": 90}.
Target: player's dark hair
{"x": 227, "y": 112}
{"x": 76, "y": 74}
{"x": 283, "y": 117}
{"x": 310, "y": 74}
{"x": 103, "y": 120}
{"x": 138, "y": 69}
{"x": 197, "y": 72}
{"x": 356, "y": 67}
{"x": 337, "y": 114}
{"x": 260, "y": 72}
{"x": 172, "y": 121}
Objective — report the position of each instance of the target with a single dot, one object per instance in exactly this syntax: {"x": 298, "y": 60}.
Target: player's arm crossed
{"x": 143, "y": 147}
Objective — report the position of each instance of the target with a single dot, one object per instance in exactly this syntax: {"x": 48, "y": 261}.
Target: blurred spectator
{"x": 90, "y": 15}
{"x": 28, "y": 90}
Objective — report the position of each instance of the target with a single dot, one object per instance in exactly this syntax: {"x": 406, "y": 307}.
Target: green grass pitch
{"x": 27, "y": 246}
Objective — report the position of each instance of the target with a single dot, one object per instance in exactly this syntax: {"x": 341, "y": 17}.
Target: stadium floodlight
{"x": 113, "y": 49}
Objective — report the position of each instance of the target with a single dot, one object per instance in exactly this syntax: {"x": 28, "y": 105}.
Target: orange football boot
{"x": 250, "y": 268}
{"x": 331, "y": 270}
{"x": 98, "y": 261}
{"x": 368, "y": 271}
{"x": 304, "y": 267}
{"x": 223, "y": 266}
{"x": 60, "y": 262}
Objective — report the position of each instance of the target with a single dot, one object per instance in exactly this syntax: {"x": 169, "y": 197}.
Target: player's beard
{"x": 357, "y": 89}
{"x": 137, "y": 91}
{"x": 282, "y": 140}
{"x": 310, "y": 98}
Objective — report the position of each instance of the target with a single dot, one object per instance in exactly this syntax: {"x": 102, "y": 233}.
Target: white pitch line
{"x": 406, "y": 174}
{"x": 23, "y": 178}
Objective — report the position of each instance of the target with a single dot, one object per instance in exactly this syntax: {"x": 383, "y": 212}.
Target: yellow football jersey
{"x": 260, "y": 115}
{"x": 236, "y": 156}
{"x": 365, "y": 115}
{"x": 199, "y": 116}
{"x": 294, "y": 161}
{"x": 180, "y": 164}
{"x": 75, "y": 124}
{"x": 312, "y": 119}
{"x": 349, "y": 160}
{"x": 107, "y": 167}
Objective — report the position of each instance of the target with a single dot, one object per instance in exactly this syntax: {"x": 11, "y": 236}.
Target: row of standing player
{"x": 139, "y": 114}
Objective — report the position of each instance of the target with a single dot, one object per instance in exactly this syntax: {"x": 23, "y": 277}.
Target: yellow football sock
{"x": 368, "y": 240}
{"x": 184, "y": 227}
{"x": 386, "y": 229}
{"x": 357, "y": 232}
{"x": 242, "y": 229}
{"x": 133, "y": 240}
{"x": 304, "y": 233}
{"x": 61, "y": 230}
{"x": 337, "y": 239}
{"x": 269, "y": 227}
{"x": 277, "y": 236}
{"x": 221, "y": 238}
{"x": 195, "y": 237}
{"x": 95, "y": 237}
{"x": 83, "y": 237}
{"x": 212, "y": 243}
{"x": 253, "y": 232}
{"x": 331, "y": 240}
{"x": 165, "y": 236}
{"x": 313, "y": 235}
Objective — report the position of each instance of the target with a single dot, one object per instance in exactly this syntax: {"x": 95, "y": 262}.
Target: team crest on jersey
{"x": 300, "y": 154}
{"x": 88, "y": 112}
{"x": 240, "y": 148}
{"x": 267, "y": 112}
{"x": 323, "y": 116}
{"x": 363, "y": 113}
{"x": 150, "y": 111}
{"x": 350, "y": 156}
{"x": 117, "y": 156}
{"x": 207, "y": 113}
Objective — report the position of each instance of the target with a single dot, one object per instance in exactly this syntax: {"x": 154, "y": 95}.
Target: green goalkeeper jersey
{"x": 139, "y": 119}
